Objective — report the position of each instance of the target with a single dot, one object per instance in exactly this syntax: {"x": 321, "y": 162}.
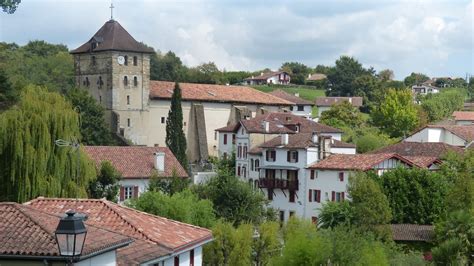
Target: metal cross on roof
{"x": 111, "y": 10}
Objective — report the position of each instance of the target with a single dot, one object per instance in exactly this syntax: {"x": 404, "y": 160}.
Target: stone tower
{"x": 115, "y": 69}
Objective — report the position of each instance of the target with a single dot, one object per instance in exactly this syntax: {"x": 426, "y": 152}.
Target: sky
{"x": 432, "y": 37}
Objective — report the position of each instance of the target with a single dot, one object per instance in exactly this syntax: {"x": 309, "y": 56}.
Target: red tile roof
{"x": 135, "y": 161}
{"x": 429, "y": 149}
{"x": 412, "y": 232}
{"x": 301, "y": 141}
{"x": 27, "y": 231}
{"x": 463, "y": 115}
{"x": 360, "y": 162}
{"x": 265, "y": 76}
{"x": 290, "y": 97}
{"x": 341, "y": 144}
{"x": 316, "y": 76}
{"x": 215, "y": 93}
{"x": 329, "y": 101}
{"x": 229, "y": 128}
{"x": 156, "y": 235}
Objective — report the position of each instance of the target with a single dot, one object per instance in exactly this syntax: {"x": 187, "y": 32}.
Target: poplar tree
{"x": 31, "y": 164}
{"x": 175, "y": 139}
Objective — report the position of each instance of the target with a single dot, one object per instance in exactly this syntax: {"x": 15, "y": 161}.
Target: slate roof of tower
{"x": 27, "y": 231}
{"x": 153, "y": 236}
{"x": 290, "y": 97}
{"x": 112, "y": 37}
{"x": 135, "y": 161}
{"x": 215, "y": 93}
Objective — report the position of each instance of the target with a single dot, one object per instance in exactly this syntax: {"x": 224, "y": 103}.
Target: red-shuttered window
{"x": 333, "y": 196}
{"x": 341, "y": 176}
{"x": 312, "y": 174}
{"x": 191, "y": 257}
{"x": 310, "y": 195}
{"x": 225, "y": 139}
{"x": 122, "y": 193}
{"x": 176, "y": 261}
{"x": 318, "y": 195}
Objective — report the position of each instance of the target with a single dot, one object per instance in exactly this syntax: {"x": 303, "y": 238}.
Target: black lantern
{"x": 71, "y": 235}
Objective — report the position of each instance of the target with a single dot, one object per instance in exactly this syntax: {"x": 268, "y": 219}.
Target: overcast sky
{"x": 432, "y": 37}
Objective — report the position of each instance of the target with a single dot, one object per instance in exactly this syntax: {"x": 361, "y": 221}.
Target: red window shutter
{"x": 135, "y": 192}
{"x": 238, "y": 171}
{"x": 122, "y": 193}
{"x": 310, "y": 195}
{"x": 176, "y": 261}
{"x": 333, "y": 196}
{"x": 225, "y": 138}
{"x": 288, "y": 156}
{"x": 341, "y": 176}
{"x": 191, "y": 257}
{"x": 342, "y": 196}
{"x": 318, "y": 195}
{"x": 296, "y": 159}
{"x": 312, "y": 174}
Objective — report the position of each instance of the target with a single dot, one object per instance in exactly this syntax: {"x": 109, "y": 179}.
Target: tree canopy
{"x": 106, "y": 185}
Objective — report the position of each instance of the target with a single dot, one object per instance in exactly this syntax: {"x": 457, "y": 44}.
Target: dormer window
{"x": 135, "y": 61}
{"x": 125, "y": 80}
{"x": 135, "y": 81}
{"x": 126, "y": 60}
{"x": 93, "y": 45}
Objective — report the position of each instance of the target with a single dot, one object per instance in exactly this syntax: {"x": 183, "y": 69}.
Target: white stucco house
{"x": 302, "y": 107}
{"x": 463, "y": 118}
{"x": 137, "y": 164}
{"x": 269, "y": 78}
{"x": 456, "y": 135}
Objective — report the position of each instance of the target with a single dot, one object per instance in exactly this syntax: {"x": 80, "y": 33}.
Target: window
{"x": 245, "y": 151}
{"x": 135, "y": 81}
{"x": 251, "y": 165}
{"x": 270, "y": 155}
{"x": 128, "y": 122}
{"x": 242, "y": 131}
{"x": 100, "y": 99}
{"x": 125, "y": 81}
{"x": 291, "y": 108}
{"x": 225, "y": 139}
{"x": 126, "y": 60}
{"x": 257, "y": 164}
{"x": 270, "y": 194}
{"x": 282, "y": 216}
{"x": 239, "y": 151}
{"x": 100, "y": 82}
{"x": 292, "y": 156}
{"x": 341, "y": 176}
{"x": 135, "y": 61}
{"x": 244, "y": 171}
{"x": 292, "y": 196}
{"x": 184, "y": 124}
{"x": 314, "y": 195}
{"x": 128, "y": 193}
{"x": 337, "y": 196}
{"x": 163, "y": 119}
{"x": 311, "y": 175}
{"x": 128, "y": 99}
{"x": 233, "y": 138}
{"x": 224, "y": 155}
{"x": 176, "y": 261}
{"x": 238, "y": 170}
{"x": 93, "y": 60}
{"x": 300, "y": 107}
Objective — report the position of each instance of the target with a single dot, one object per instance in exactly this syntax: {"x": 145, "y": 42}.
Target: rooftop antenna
{"x": 111, "y": 10}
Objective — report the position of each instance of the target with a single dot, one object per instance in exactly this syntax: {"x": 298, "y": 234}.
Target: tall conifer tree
{"x": 175, "y": 139}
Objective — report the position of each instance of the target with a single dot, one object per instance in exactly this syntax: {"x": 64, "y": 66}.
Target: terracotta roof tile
{"x": 466, "y": 132}
{"x": 341, "y": 144}
{"x": 290, "y": 97}
{"x": 215, "y": 93}
{"x": 30, "y": 232}
{"x": 412, "y": 232}
{"x": 229, "y": 128}
{"x": 329, "y": 101}
{"x": 301, "y": 141}
{"x": 316, "y": 76}
{"x": 429, "y": 149}
{"x": 360, "y": 162}
{"x": 463, "y": 115}
{"x": 112, "y": 36}
{"x": 154, "y": 236}
{"x": 135, "y": 161}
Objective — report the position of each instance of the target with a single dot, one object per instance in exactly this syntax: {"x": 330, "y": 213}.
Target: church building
{"x": 115, "y": 69}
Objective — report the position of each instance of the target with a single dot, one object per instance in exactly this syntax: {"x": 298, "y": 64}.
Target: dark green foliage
{"x": 234, "y": 200}
{"x": 207, "y": 73}
{"x": 182, "y": 206}
{"x": 94, "y": 130}
{"x": 335, "y": 214}
{"x": 106, "y": 185}
{"x": 415, "y": 196}
{"x": 175, "y": 139}
{"x": 298, "y": 71}
{"x": 31, "y": 164}
{"x": 415, "y": 78}
{"x": 342, "y": 76}
{"x": 342, "y": 115}
{"x": 266, "y": 244}
{"x": 168, "y": 185}
{"x": 370, "y": 138}
{"x": 441, "y": 105}
{"x": 9, "y": 6}
{"x": 8, "y": 95}
{"x": 166, "y": 67}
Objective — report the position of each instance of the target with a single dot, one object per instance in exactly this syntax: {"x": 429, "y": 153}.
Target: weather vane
{"x": 111, "y": 10}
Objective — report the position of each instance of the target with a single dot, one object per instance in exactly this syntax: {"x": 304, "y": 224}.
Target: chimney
{"x": 350, "y": 100}
{"x": 266, "y": 126}
{"x": 297, "y": 94}
{"x": 159, "y": 161}
{"x": 309, "y": 75}
{"x": 284, "y": 139}
{"x": 315, "y": 138}
{"x": 261, "y": 73}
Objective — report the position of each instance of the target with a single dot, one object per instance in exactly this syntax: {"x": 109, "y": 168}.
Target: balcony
{"x": 278, "y": 183}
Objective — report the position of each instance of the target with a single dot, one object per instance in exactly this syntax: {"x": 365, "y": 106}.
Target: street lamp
{"x": 71, "y": 235}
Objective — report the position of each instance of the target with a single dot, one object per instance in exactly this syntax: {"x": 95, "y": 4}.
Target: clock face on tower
{"x": 120, "y": 60}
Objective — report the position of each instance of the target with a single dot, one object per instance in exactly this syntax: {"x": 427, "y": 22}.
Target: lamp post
{"x": 70, "y": 236}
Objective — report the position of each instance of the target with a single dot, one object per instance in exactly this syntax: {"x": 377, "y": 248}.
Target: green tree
{"x": 182, "y": 206}
{"x": 106, "y": 185}
{"x": 298, "y": 71}
{"x": 415, "y": 196}
{"x": 31, "y": 164}
{"x": 369, "y": 138}
{"x": 441, "y": 105}
{"x": 9, "y": 6}
{"x": 166, "y": 67}
{"x": 386, "y": 75}
{"x": 175, "y": 139}
{"x": 334, "y": 214}
{"x": 342, "y": 76}
{"x": 415, "y": 78}
{"x": 168, "y": 185}
{"x": 94, "y": 130}
{"x": 8, "y": 95}
{"x": 266, "y": 244}
{"x": 342, "y": 115}
{"x": 396, "y": 115}
{"x": 371, "y": 207}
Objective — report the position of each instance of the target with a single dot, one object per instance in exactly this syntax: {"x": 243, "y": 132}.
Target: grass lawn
{"x": 305, "y": 93}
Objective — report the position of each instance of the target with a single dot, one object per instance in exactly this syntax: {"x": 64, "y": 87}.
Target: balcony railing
{"x": 278, "y": 183}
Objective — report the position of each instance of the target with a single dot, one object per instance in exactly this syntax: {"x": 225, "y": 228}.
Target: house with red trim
{"x": 137, "y": 164}
{"x": 131, "y": 236}
{"x": 272, "y": 77}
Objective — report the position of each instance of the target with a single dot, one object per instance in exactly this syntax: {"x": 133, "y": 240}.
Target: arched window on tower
{"x": 126, "y": 61}
{"x": 125, "y": 80}
{"x": 135, "y": 81}
{"x": 135, "y": 61}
